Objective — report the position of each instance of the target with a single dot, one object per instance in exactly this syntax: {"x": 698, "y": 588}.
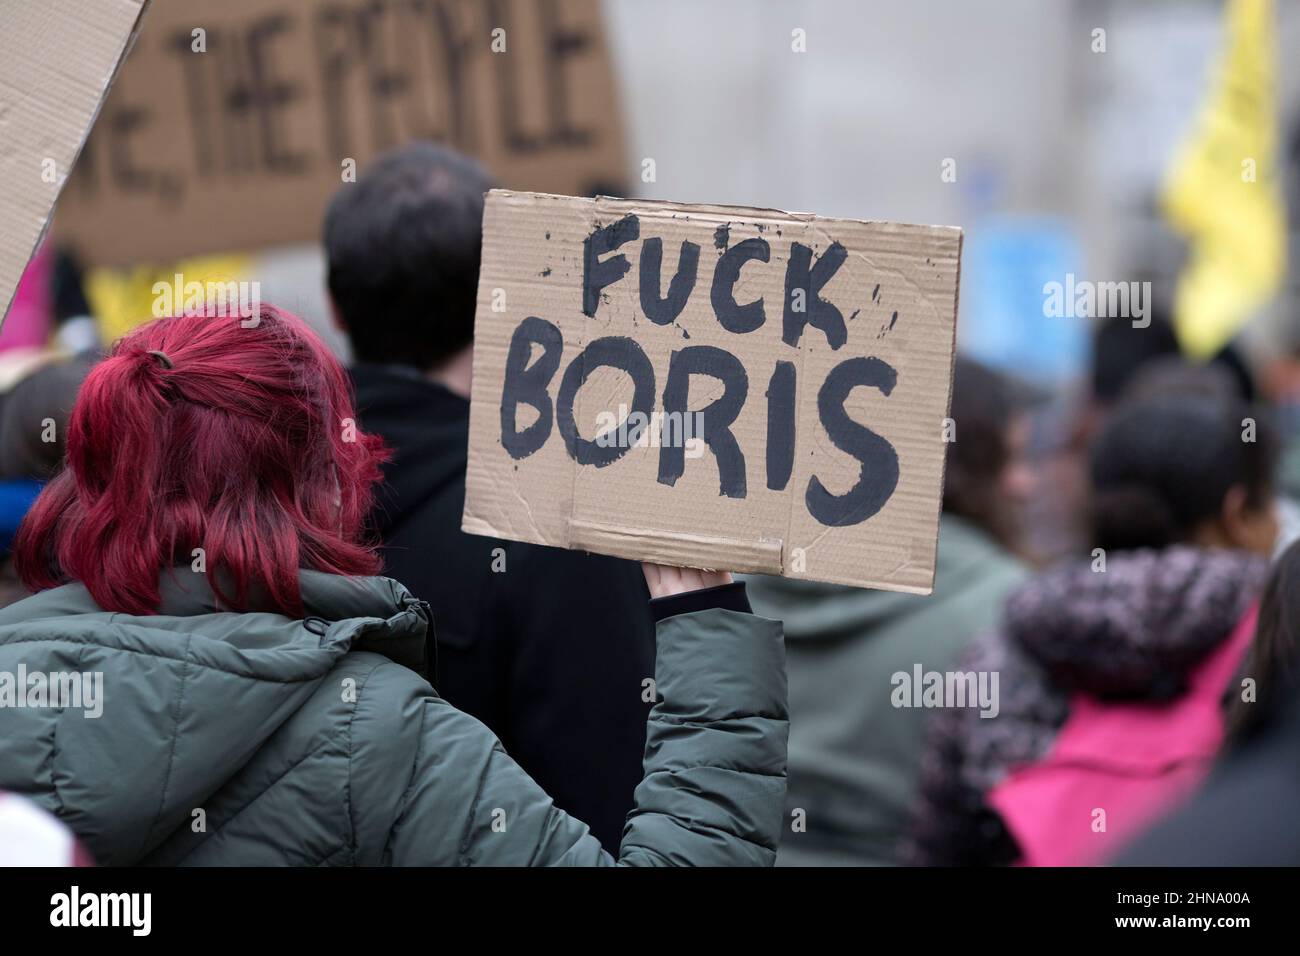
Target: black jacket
{"x": 528, "y": 649}
{"x": 1245, "y": 815}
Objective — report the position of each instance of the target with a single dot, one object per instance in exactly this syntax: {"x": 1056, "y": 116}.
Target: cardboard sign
{"x": 233, "y": 123}
{"x": 713, "y": 387}
{"x": 57, "y": 60}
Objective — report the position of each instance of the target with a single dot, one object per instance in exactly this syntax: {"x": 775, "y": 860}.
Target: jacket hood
{"x": 1136, "y": 628}
{"x": 817, "y": 611}
{"x": 427, "y": 428}
{"x": 186, "y": 696}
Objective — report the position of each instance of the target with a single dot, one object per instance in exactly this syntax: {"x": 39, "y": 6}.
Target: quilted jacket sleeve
{"x": 714, "y": 787}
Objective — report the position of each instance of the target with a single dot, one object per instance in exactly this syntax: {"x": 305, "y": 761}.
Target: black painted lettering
{"x": 780, "y": 425}
{"x": 800, "y": 273}
{"x": 715, "y": 419}
{"x": 613, "y": 351}
{"x": 731, "y": 315}
{"x": 879, "y": 473}
{"x": 665, "y": 311}
{"x": 597, "y": 274}
{"x": 527, "y": 384}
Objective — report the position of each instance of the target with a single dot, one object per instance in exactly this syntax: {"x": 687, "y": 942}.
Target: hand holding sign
{"x": 713, "y": 387}
{"x": 663, "y": 580}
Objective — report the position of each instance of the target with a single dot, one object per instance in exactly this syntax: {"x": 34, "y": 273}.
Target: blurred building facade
{"x": 1009, "y": 119}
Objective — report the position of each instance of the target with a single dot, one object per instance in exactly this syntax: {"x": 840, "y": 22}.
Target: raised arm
{"x": 714, "y": 787}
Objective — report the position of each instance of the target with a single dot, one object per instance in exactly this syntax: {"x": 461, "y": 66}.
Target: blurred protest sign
{"x": 233, "y": 124}
{"x": 57, "y": 60}
{"x": 1223, "y": 193}
{"x": 121, "y": 299}
{"x": 713, "y": 387}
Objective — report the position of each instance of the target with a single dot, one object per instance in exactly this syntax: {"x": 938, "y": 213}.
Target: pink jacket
{"x": 1115, "y": 767}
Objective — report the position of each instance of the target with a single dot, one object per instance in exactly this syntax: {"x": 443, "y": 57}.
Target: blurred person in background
{"x": 1281, "y": 383}
{"x": 1228, "y": 379}
{"x": 202, "y": 557}
{"x": 853, "y": 755}
{"x": 523, "y": 641}
{"x": 34, "y": 414}
{"x": 1120, "y": 352}
{"x": 33, "y": 433}
{"x": 1056, "y": 517}
{"x": 1108, "y": 666}
{"x": 1123, "y": 354}
{"x": 1272, "y": 664}
{"x": 1245, "y": 815}
{"x": 49, "y": 347}
{"x": 50, "y": 311}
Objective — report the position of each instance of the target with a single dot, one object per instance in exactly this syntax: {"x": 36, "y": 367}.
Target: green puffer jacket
{"x": 256, "y": 739}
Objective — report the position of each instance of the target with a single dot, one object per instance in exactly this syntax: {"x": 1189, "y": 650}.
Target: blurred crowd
{"x": 1130, "y": 697}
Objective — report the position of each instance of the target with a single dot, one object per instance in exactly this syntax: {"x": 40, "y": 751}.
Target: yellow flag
{"x": 121, "y": 299}
{"x": 1222, "y": 191}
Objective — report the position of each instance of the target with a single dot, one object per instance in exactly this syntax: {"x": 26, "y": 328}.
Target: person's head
{"x": 197, "y": 432}
{"x": 1184, "y": 468}
{"x": 1124, "y": 354}
{"x": 403, "y": 245}
{"x": 1175, "y": 375}
{"x": 988, "y": 474}
{"x": 34, "y": 416}
{"x": 1120, "y": 350}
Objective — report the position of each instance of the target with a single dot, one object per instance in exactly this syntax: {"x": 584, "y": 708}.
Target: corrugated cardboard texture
{"x": 243, "y": 145}
{"x": 57, "y": 59}
{"x": 896, "y": 291}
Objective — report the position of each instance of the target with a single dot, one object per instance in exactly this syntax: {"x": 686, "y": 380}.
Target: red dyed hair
{"x": 245, "y": 447}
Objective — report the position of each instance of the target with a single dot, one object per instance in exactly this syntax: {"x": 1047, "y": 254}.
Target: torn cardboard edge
{"x": 67, "y": 163}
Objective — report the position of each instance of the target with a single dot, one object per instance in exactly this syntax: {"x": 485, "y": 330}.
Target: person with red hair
{"x": 230, "y": 684}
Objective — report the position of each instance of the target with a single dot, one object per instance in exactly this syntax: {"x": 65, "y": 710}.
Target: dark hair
{"x": 1173, "y": 374}
{"x": 1119, "y": 350}
{"x": 1275, "y": 652}
{"x": 984, "y": 406}
{"x": 1122, "y": 354}
{"x": 45, "y": 395}
{"x": 403, "y": 246}
{"x": 1162, "y": 465}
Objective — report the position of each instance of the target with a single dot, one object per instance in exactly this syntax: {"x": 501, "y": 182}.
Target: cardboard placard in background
{"x": 819, "y": 351}
{"x": 57, "y": 60}
{"x": 242, "y": 145}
